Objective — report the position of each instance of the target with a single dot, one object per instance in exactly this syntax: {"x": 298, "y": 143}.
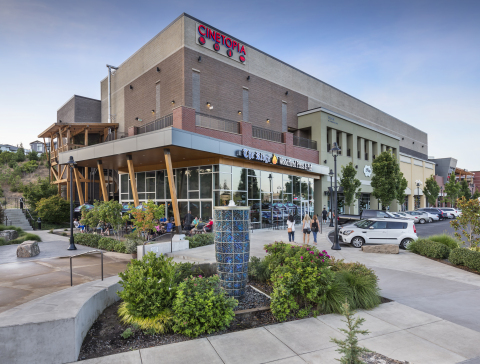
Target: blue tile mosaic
{"x": 232, "y": 248}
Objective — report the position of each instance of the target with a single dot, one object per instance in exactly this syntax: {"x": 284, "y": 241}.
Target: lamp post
{"x": 441, "y": 195}
{"x": 71, "y": 163}
{"x": 335, "y": 152}
{"x": 331, "y": 198}
{"x": 418, "y": 194}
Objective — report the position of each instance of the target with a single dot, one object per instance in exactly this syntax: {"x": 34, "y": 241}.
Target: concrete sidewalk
{"x": 396, "y": 331}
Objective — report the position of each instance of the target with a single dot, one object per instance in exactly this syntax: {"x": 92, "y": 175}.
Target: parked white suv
{"x": 379, "y": 231}
{"x": 452, "y": 212}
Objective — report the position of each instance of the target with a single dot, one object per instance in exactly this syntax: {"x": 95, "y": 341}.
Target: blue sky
{"x": 416, "y": 60}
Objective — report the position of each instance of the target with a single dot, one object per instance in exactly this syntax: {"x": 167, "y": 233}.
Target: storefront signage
{"x": 220, "y": 43}
{"x": 273, "y": 159}
{"x": 367, "y": 170}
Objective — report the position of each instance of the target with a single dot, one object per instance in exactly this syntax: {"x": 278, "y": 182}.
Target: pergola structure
{"x": 70, "y": 136}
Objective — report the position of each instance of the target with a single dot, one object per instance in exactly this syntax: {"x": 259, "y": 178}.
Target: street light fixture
{"x": 71, "y": 163}
{"x": 335, "y": 152}
{"x": 331, "y": 197}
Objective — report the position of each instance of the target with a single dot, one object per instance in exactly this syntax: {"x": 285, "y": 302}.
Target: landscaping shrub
{"x": 186, "y": 270}
{"x": 17, "y": 229}
{"x": 53, "y": 209}
{"x": 158, "y": 324}
{"x": 90, "y": 240}
{"x": 472, "y": 260}
{"x": 107, "y": 243}
{"x": 258, "y": 269}
{"x": 148, "y": 286}
{"x": 3, "y": 241}
{"x": 445, "y": 239}
{"x": 198, "y": 240}
{"x": 22, "y": 236}
{"x": 202, "y": 306}
{"x": 429, "y": 248}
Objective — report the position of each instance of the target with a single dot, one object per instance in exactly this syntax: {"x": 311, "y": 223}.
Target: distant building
{"x": 38, "y": 146}
{"x": 8, "y": 148}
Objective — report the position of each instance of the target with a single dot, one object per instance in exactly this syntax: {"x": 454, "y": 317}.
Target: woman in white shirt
{"x": 306, "y": 226}
{"x": 291, "y": 229}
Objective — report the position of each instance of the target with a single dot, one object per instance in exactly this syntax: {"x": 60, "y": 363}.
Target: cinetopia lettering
{"x": 273, "y": 159}
{"x": 220, "y": 38}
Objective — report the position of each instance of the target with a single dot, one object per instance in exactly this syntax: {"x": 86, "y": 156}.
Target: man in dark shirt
{"x": 188, "y": 221}
{"x": 324, "y": 215}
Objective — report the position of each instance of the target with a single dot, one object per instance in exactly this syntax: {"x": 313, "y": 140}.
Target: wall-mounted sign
{"x": 367, "y": 170}
{"x": 220, "y": 43}
{"x": 273, "y": 159}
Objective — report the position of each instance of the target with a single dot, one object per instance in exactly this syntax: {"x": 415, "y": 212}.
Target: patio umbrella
{"x": 87, "y": 206}
{"x": 126, "y": 207}
{"x": 140, "y": 207}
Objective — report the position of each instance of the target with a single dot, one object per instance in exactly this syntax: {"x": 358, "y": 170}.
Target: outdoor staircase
{"x": 18, "y": 219}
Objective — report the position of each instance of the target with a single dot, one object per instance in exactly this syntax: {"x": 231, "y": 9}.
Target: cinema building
{"x": 197, "y": 117}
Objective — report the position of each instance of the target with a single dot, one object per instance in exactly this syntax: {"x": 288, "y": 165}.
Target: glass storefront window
{"x": 240, "y": 198}
{"x": 287, "y": 183}
{"x": 287, "y": 197}
{"x": 194, "y": 194}
{"x": 310, "y": 188}
{"x": 195, "y": 208}
{"x": 206, "y": 210}
{"x": 239, "y": 178}
{"x": 167, "y": 188}
{"x": 254, "y": 212}
{"x": 141, "y": 185}
{"x": 205, "y": 169}
{"x": 296, "y": 187}
{"x": 253, "y": 188}
{"x": 223, "y": 181}
{"x": 205, "y": 186}
{"x": 266, "y": 181}
{"x": 267, "y": 197}
{"x": 160, "y": 183}
{"x": 182, "y": 209}
{"x": 124, "y": 186}
{"x": 193, "y": 179}
{"x": 277, "y": 186}
{"x": 181, "y": 176}
{"x": 304, "y": 188}
{"x": 150, "y": 186}
{"x": 222, "y": 198}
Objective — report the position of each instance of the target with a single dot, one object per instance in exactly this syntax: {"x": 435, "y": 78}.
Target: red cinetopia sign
{"x": 214, "y": 40}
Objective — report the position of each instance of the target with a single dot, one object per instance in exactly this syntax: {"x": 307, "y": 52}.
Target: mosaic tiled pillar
{"x": 232, "y": 247}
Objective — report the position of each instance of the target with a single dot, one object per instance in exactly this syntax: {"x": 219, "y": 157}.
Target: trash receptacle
{"x": 39, "y": 223}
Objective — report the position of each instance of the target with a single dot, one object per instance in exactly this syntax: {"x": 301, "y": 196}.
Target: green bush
{"x": 198, "y": 240}
{"x": 90, "y": 240}
{"x": 3, "y": 241}
{"x": 457, "y": 256}
{"x": 258, "y": 270}
{"x": 17, "y": 229}
{"x": 130, "y": 246}
{"x": 472, "y": 260}
{"x": 186, "y": 270}
{"x": 53, "y": 209}
{"x": 107, "y": 243}
{"x": 445, "y": 239}
{"x": 148, "y": 285}
{"x": 202, "y": 306}
{"x": 429, "y": 248}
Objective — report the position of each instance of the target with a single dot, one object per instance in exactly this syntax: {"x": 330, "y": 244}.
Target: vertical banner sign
{"x": 220, "y": 43}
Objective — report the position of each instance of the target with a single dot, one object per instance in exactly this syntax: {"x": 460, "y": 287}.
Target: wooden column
{"x": 173, "y": 190}
{"x": 79, "y": 186}
{"x": 102, "y": 180}
{"x": 133, "y": 181}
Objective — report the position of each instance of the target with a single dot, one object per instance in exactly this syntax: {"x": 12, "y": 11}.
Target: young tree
{"x": 350, "y": 184}
{"x": 32, "y": 156}
{"x": 35, "y": 191}
{"x": 53, "y": 209}
{"x": 388, "y": 182}
{"x": 451, "y": 189}
{"x": 144, "y": 219}
{"x": 476, "y": 194}
{"x": 20, "y": 154}
{"x": 468, "y": 222}
{"x": 431, "y": 190}
{"x": 464, "y": 190}
{"x": 349, "y": 347}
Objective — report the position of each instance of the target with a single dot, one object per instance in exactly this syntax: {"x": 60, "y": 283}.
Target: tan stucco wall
{"x": 414, "y": 170}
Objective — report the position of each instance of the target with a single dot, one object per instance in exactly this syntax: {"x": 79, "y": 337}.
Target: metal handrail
{"x": 267, "y": 134}
{"x": 304, "y": 142}
{"x": 89, "y": 252}
{"x": 31, "y": 220}
{"x": 158, "y": 124}
{"x": 160, "y": 236}
{"x": 216, "y": 123}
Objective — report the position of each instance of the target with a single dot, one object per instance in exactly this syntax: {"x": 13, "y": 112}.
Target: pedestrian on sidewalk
{"x": 291, "y": 229}
{"x": 306, "y": 225}
{"x": 324, "y": 215}
{"x": 315, "y": 228}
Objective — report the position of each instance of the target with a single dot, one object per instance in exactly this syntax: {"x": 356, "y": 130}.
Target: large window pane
{"x": 304, "y": 186}
{"x": 167, "y": 188}
{"x": 205, "y": 169}
{"x": 287, "y": 183}
{"x": 225, "y": 181}
{"x": 151, "y": 185}
{"x": 296, "y": 187}
{"x": 195, "y": 208}
{"x": 124, "y": 183}
{"x": 254, "y": 212}
{"x": 254, "y": 172}
{"x": 222, "y": 198}
{"x": 205, "y": 186}
{"x": 206, "y": 210}
{"x": 183, "y": 209}
{"x": 266, "y": 197}
{"x": 194, "y": 194}
{"x": 193, "y": 179}
{"x": 160, "y": 185}
{"x": 310, "y": 188}
{"x": 181, "y": 177}
{"x": 240, "y": 198}
{"x": 287, "y": 197}
{"x": 266, "y": 181}
{"x": 253, "y": 188}
{"x": 239, "y": 178}
{"x": 276, "y": 185}
{"x": 140, "y": 182}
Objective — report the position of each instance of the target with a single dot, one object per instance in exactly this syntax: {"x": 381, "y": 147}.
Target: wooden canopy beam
{"x": 102, "y": 181}
{"x": 79, "y": 186}
{"x": 133, "y": 182}
{"x": 173, "y": 190}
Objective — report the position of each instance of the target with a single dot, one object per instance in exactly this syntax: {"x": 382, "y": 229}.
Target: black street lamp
{"x": 335, "y": 152}
{"x": 331, "y": 198}
{"x": 71, "y": 163}
{"x": 418, "y": 194}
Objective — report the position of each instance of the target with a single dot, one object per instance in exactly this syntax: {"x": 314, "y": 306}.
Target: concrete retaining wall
{"x": 51, "y": 329}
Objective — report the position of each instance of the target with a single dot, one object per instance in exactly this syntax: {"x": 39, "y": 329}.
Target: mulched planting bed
{"x": 445, "y": 261}
{"x": 375, "y": 358}
{"x": 252, "y": 299}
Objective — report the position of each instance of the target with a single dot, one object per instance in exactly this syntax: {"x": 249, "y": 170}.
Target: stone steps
{"x": 18, "y": 219}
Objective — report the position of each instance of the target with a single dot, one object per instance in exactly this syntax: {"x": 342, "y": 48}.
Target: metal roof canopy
{"x": 77, "y": 127}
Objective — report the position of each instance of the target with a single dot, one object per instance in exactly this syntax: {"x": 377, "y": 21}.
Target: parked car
{"x": 365, "y": 214}
{"x": 403, "y": 215}
{"x": 431, "y": 217}
{"x": 422, "y": 216}
{"x": 435, "y": 211}
{"x": 379, "y": 231}
{"x": 453, "y": 213}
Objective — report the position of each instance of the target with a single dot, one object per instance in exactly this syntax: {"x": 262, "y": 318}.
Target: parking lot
{"x": 434, "y": 228}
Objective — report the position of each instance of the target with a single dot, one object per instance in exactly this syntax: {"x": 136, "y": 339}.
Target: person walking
{"x": 306, "y": 226}
{"x": 315, "y": 229}
{"x": 324, "y": 215}
{"x": 291, "y": 229}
